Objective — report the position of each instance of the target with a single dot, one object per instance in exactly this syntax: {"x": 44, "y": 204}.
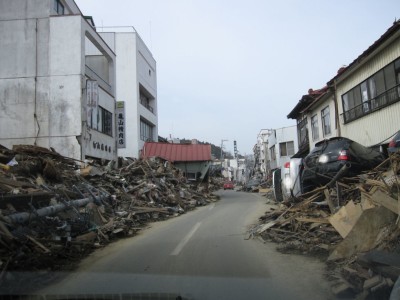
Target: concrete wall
{"x": 24, "y": 9}
{"x": 42, "y": 75}
{"x": 133, "y": 63}
{"x": 380, "y": 125}
{"x": 280, "y": 135}
{"x": 147, "y": 77}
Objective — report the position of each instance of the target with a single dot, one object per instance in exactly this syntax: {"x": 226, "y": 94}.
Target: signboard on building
{"x": 92, "y": 100}
{"x": 120, "y": 113}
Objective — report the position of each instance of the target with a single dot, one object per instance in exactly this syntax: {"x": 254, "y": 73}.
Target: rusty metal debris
{"x": 53, "y": 211}
{"x": 342, "y": 222}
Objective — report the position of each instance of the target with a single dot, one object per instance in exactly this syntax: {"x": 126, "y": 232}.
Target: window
{"x": 146, "y": 99}
{"x": 272, "y": 150}
{"x": 397, "y": 74}
{"x": 58, "y": 7}
{"x": 146, "y": 131}
{"x": 379, "y": 90}
{"x": 302, "y": 132}
{"x": 326, "y": 121}
{"x": 314, "y": 127}
{"x": 105, "y": 121}
{"x": 364, "y": 96}
{"x": 390, "y": 81}
{"x": 286, "y": 149}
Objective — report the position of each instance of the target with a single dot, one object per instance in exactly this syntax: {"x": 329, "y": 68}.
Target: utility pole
{"x": 222, "y": 145}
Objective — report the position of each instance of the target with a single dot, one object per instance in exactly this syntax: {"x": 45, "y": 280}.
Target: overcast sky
{"x": 227, "y": 69}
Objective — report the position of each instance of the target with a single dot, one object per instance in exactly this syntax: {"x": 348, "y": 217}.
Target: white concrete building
{"x": 136, "y": 78}
{"x": 262, "y": 156}
{"x": 52, "y": 93}
{"x": 282, "y": 144}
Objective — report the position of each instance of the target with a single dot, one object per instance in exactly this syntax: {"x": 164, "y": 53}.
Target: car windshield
{"x": 148, "y": 149}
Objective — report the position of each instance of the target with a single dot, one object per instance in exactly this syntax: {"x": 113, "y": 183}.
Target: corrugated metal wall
{"x": 380, "y": 125}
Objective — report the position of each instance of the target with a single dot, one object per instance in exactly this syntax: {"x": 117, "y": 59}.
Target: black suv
{"x": 328, "y": 157}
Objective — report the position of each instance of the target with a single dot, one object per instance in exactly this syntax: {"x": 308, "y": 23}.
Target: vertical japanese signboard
{"x": 92, "y": 100}
{"x": 120, "y": 112}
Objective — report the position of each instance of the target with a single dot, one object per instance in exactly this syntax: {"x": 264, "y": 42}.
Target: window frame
{"x": 105, "y": 121}
{"x": 146, "y": 130}
{"x": 380, "y": 91}
{"x": 326, "y": 121}
{"x": 314, "y": 127}
{"x": 287, "y": 148}
{"x": 59, "y": 8}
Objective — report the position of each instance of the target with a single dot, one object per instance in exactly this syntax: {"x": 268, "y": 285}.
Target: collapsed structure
{"x": 53, "y": 213}
{"x": 352, "y": 222}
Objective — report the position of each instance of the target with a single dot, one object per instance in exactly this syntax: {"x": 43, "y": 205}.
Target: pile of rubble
{"x": 352, "y": 223}
{"x": 53, "y": 212}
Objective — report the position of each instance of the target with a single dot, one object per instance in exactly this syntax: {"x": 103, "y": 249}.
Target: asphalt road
{"x": 204, "y": 254}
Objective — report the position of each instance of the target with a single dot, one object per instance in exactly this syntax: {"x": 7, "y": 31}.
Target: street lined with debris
{"x": 204, "y": 254}
{"x": 352, "y": 223}
{"x": 54, "y": 213}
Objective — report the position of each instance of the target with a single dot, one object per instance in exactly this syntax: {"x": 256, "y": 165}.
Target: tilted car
{"x": 329, "y": 156}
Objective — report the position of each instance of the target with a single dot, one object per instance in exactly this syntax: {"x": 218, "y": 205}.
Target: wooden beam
{"x": 385, "y": 200}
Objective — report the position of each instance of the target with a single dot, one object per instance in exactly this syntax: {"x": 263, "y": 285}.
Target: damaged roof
{"x": 305, "y": 101}
{"x": 177, "y": 152}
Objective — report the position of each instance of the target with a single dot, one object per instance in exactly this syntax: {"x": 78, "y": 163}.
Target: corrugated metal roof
{"x": 177, "y": 152}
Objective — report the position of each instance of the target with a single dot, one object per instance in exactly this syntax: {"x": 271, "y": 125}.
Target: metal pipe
{"x": 339, "y": 175}
{"x": 24, "y": 217}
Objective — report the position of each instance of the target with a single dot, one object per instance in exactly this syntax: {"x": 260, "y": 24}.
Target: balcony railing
{"x": 150, "y": 108}
{"x": 385, "y": 99}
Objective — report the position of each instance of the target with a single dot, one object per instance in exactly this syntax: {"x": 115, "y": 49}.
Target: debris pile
{"x": 53, "y": 212}
{"x": 352, "y": 222}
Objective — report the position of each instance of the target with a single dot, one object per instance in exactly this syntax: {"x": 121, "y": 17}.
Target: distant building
{"x": 54, "y": 93}
{"x": 282, "y": 144}
{"x": 261, "y": 153}
{"x": 193, "y": 159}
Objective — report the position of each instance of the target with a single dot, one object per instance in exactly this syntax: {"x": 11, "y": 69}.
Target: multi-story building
{"x": 368, "y": 92}
{"x": 136, "y": 93}
{"x": 315, "y": 114}
{"x": 362, "y": 102}
{"x": 53, "y": 92}
{"x": 261, "y": 153}
{"x": 282, "y": 144}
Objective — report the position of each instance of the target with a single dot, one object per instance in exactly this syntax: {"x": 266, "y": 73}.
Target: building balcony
{"x": 148, "y": 106}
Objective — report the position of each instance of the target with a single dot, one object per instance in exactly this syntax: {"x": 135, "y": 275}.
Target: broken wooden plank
{"x": 329, "y": 200}
{"x": 15, "y": 183}
{"x": 364, "y": 235}
{"x": 312, "y": 220}
{"x": 385, "y": 200}
{"x": 345, "y": 219}
{"x": 37, "y": 243}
